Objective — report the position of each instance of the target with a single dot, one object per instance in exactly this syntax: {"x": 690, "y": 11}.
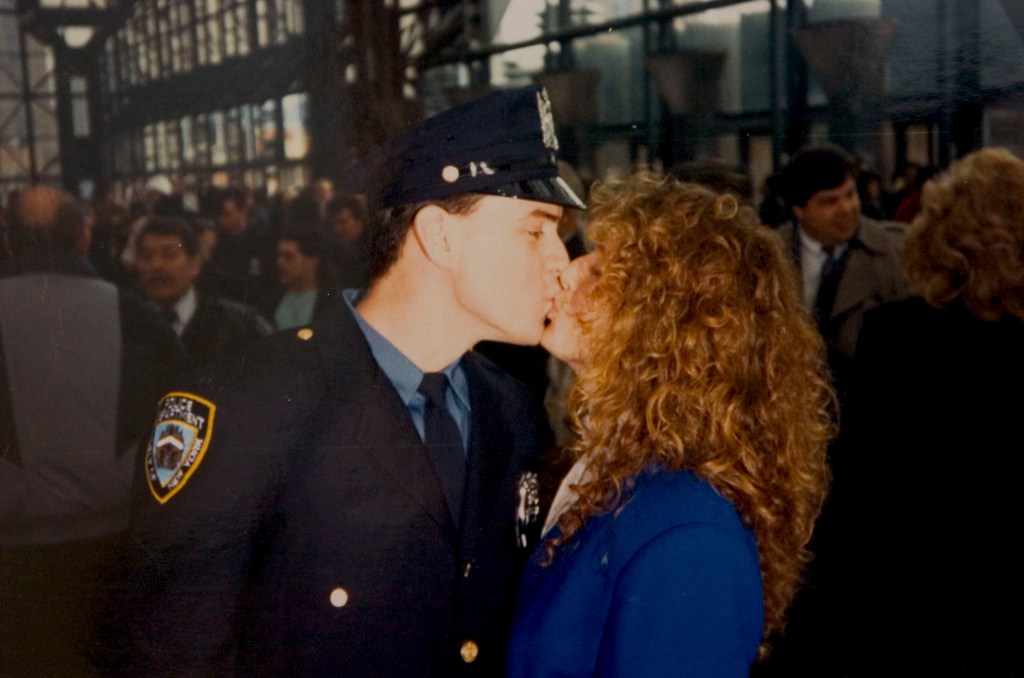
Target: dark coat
{"x": 220, "y": 327}
{"x": 313, "y": 538}
{"x": 926, "y": 495}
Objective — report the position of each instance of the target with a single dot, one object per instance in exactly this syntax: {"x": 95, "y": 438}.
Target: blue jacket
{"x": 669, "y": 586}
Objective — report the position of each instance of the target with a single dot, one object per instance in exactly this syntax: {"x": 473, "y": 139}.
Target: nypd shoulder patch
{"x": 184, "y": 424}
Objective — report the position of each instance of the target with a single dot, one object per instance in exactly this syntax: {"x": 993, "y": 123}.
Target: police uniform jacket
{"x": 310, "y": 535}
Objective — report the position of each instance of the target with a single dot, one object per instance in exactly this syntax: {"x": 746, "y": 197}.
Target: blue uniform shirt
{"x": 406, "y": 377}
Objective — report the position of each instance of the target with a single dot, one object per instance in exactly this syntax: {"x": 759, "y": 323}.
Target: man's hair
{"x": 314, "y": 242}
{"x": 237, "y": 195}
{"x": 350, "y": 203}
{"x": 820, "y": 168}
{"x": 390, "y": 226}
{"x": 45, "y": 220}
{"x": 170, "y": 226}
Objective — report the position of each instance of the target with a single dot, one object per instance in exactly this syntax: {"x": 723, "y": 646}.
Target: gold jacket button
{"x": 305, "y": 334}
{"x": 339, "y": 597}
{"x": 469, "y": 651}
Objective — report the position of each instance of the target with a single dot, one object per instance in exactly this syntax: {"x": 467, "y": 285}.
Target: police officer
{"x": 353, "y": 497}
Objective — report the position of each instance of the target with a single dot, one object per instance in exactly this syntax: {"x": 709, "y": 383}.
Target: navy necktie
{"x": 827, "y": 286}
{"x": 443, "y": 441}
{"x": 170, "y": 315}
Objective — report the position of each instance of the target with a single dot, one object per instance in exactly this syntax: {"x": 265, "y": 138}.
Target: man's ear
{"x": 431, "y": 229}
{"x": 798, "y": 213}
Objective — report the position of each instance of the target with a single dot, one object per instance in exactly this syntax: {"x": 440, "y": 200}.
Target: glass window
{"x": 296, "y": 23}
{"x": 215, "y": 37}
{"x": 294, "y": 109}
{"x": 149, "y": 148}
{"x": 248, "y": 130}
{"x": 161, "y": 146}
{"x": 233, "y": 137}
{"x": 242, "y": 22}
{"x": 218, "y": 147}
{"x": 187, "y": 62}
{"x": 80, "y": 126}
{"x": 47, "y": 156}
{"x": 262, "y": 27}
{"x": 188, "y": 151}
{"x": 40, "y": 67}
{"x": 230, "y": 35}
{"x": 267, "y": 141}
{"x": 173, "y": 145}
{"x": 202, "y": 41}
{"x": 201, "y": 137}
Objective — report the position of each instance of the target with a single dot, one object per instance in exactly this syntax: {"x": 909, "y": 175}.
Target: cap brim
{"x": 551, "y": 190}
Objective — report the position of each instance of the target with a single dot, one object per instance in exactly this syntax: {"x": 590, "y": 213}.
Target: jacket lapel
{"x": 383, "y": 429}
{"x": 488, "y": 461}
{"x": 859, "y": 280}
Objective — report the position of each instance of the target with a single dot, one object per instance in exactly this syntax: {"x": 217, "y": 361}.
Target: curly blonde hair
{"x": 702, "y": 358}
{"x": 967, "y": 243}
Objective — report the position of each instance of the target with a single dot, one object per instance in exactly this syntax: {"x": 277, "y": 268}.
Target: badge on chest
{"x": 528, "y": 508}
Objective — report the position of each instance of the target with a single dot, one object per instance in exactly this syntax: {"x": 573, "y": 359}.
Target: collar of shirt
{"x": 812, "y": 256}
{"x": 406, "y": 377}
{"x": 185, "y": 308}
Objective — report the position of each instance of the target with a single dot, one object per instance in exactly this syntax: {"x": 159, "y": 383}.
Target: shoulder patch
{"x": 184, "y": 424}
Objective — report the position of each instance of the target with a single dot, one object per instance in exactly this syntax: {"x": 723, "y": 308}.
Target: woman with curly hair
{"x": 929, "y": 467}
{"x": 704, "y": 410}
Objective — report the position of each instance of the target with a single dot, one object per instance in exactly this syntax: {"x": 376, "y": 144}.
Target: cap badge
{"x": 479, "y": 168}
{"x": 547, "y": 122}
{"x": 450, "y": 173}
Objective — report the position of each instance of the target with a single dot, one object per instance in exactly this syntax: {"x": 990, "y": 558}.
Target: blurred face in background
{"x": 165, "y": 270}
{"x": 296, "y": 271}
{"x": 346, "y": 225}
{"x": 232, "y": 218}
{"x": 831, "y": 216}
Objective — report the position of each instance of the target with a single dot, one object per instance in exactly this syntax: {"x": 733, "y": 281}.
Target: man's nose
{"x": 556, "y": 258}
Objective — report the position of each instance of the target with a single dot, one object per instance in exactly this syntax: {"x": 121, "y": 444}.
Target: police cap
{"x": 501, "y": 144}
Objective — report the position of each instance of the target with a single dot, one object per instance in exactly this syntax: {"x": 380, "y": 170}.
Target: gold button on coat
{"x": 469, "y": 651}
{"x": 305, "y": 334}
{"x": 339, "y": 597}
